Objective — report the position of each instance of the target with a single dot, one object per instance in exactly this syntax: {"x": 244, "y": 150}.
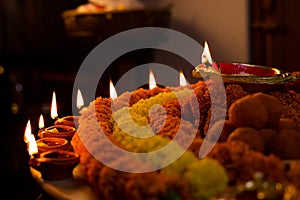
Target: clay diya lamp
{"x": 58, "y": 131}
{"x": 68, "y": 120}
{"x": 52, "y": 143}
{"x": 55, "y": 164}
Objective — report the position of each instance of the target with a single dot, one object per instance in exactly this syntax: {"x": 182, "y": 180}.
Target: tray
{"x": 73, "y": 188}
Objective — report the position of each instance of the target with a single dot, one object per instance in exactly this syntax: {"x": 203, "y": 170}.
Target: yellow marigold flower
{"x": 207, "y": 178}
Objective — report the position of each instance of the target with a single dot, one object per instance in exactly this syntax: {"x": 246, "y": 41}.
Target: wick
{"x": 56, "y": 118}
{"x": 207, "y": 64}
{"x": 35, "y": 155}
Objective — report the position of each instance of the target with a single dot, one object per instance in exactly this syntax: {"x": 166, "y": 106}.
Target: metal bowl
{"x": 102, "y": 24}
{"x": 254, "y": 77}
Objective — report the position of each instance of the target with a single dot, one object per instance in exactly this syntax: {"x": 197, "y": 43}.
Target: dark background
{"x": 38, "y": 56}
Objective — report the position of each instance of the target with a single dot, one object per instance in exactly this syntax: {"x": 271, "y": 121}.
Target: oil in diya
{"x": 68, "y": 120}
{"x": 58, "y": 131}
{"x": 52, "y": 143}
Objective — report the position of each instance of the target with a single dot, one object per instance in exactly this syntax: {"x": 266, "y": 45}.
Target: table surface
{"x": 73, "y": 188}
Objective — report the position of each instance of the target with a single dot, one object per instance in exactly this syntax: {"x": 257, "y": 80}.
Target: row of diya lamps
{"x": 52, "y": 154}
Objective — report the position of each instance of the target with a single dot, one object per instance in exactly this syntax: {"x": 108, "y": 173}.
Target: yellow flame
{"x": 206, "y": 57}
{"x": 32, "y": 146}
{"x": 112, "y": 90}
{"x": 54, "y": 107}
{"x": 27, "y": 132}
{"x": 80, "y": 101}
{"x": 152, "y": 82}
{"x": 30, "y": 140}
{"x": 182, "y": 80}
{"x": 277, "y": 71}
{"x": 41, "y": 122}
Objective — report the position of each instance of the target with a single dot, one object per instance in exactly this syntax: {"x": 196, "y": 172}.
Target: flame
{"x": 112, "y": 90}
{"x": 41, "y": 122}
{"x": 54, "y": 107}
{"x": 32, "y": 146}
{"x": 182, "y": 80}
{"x": 206, "y": 57}
{"x": 277, "y": 71}
{"x": 27, "y": 132}
{"x": 30, "y": 140}
{"x": 152, "y": 82}
{"x": 80, "y": 101}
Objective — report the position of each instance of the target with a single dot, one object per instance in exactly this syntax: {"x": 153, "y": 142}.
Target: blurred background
{"x": 41, "y": 50}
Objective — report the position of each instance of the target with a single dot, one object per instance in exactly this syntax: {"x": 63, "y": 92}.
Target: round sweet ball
{"x": 267, "y": 134}
{"x": 220, "y": 131}
{"x": 248, "y": 112}
{"x": 249, "y": 136}
{"x": 273, "y": 106}
{"x": 285, "y": 144}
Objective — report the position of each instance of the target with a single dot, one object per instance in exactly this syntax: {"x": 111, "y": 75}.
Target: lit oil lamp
{"x": 30, "y": 140}
{"x": 53, "y": 164}
{"x": 207, "y": 67}
{"x": 252, "y": 76}
{"x": 153, "y": 87}
{"x": 52, "y": 143}
{"x": 112, "y": 90}
{"x": 54, "y": 113}
{"x": 182, "y": 83}
{"x": 152, "y": 82}
{"x": 72, "y": 120}
{"x": 57, "y": 164}
{"x": 41, "y": 122}
{"x": 58, "y": 131}
{"x": 182, "y": 80}
{"x": 113, "y": 96}
{"x": 46, "y": 143}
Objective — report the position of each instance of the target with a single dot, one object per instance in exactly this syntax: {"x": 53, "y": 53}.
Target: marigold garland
{"x": 188, "y": 166}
